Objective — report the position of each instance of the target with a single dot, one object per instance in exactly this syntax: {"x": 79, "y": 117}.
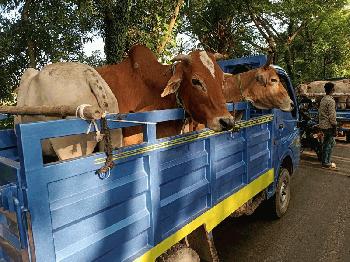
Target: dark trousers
{"x": 327, "y": 146}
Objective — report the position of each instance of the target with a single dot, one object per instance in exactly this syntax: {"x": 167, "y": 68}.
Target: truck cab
{"x": 286, "y": 133}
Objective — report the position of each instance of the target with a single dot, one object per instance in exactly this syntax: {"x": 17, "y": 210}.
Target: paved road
{"x": 316, "y": 227}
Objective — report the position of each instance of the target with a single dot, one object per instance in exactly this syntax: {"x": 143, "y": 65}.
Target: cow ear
{"x": 174, "y": 82}
{"x": 172, "y": 86}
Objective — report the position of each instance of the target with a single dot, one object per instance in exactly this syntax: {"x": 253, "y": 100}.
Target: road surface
{"x": 315, "y": 228}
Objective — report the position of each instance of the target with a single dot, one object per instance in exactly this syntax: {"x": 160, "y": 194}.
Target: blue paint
{"x": 343, "y": 116}
{"x": 76, "y": 216}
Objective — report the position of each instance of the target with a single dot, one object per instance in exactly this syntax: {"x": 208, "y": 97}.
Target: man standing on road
{"x": 328, "y": 124}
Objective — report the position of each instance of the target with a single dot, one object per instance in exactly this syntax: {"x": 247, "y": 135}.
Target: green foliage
{"x": 6, "y": 123}
{"x": 221, "y": 26}
{"x": 132, "y": 22}
{"x": 115, "y": 16}
{"x": 325, "y": 48}
{"x": 34, "y": 33}
{"x": 312, "y": 37}
{"x": 94, "y": 60}
{"x": 149, "y": 21}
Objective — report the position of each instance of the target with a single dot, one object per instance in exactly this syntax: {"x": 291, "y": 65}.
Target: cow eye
{"x": 274, "y": 80}
{"x": 199, "y": 84}
{"x": 196, "y": 82}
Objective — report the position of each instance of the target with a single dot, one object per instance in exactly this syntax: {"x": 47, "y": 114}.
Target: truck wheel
{"x": 179, "y": 253}
{"x": 278, "y": 204}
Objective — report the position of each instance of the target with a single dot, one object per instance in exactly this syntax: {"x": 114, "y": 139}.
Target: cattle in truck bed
{"x": 66, "y": 84}
{"x": 193, "y": 82}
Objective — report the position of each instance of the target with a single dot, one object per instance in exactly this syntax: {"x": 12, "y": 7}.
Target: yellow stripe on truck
{"x": 186, "y": 139}
{"x": 213, "y": 216}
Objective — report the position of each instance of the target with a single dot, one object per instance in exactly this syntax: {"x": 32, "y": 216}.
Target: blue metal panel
{"x": 88, "y": 216}
{"x": 7, "y": 138}
{"x": 228, "y": 66}
{"x": 236, "y": 164}
{"x": 8, "y": 144}
{"x": 76, "y": 216}
{"x": 229, "y": 164}
{"x": 9, "y": 170}
{"x": 184, "y": 186}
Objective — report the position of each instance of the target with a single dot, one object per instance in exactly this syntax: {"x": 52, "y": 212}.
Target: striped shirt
{"x": 327, "y": 116}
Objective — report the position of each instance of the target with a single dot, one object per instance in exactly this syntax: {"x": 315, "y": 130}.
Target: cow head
{"x": 197, "y": 82}
{"x": 269, "y": 90}
{"x": 262, "y": 87}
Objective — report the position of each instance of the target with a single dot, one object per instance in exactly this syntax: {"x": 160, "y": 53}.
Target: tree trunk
{"x": 27, "y": 34}
{"x": 171, "y": 26}
{"x": 324, "y": 66}
{"x": 115, "y": 28}
{"x": 289, "y": 63}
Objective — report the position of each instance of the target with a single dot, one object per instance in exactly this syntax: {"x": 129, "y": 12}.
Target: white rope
{"x": 105, "y": 113}
{"x": 80, "y": 111}
{"x": 98, "y": 137}
{"x": 129, "y": 121}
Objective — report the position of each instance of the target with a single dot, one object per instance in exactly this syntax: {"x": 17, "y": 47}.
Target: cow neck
{"x": 168, "y": 72}
{"x": 179, "y": 102}
{"x": 239, "y": 80}
{"x": 244, "y": 83}
{"x": 160, "y": 75}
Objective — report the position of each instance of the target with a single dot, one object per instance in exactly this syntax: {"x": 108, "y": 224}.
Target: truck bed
{"x": 158, "y": 192}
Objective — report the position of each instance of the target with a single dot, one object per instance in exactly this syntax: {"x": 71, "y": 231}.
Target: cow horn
{"x": 219, "y": 56}
{"x": 227, "y": 75}
{"x": 269, "y": 59}
{"x": 181, "y": 57}
{"x": 271, "y": 52}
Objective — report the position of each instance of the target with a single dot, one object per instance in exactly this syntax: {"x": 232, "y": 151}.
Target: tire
{"x": 179, "y": 253}
{"x": 278, "y": 204}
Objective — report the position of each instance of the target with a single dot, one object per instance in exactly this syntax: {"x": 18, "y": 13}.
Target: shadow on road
{"x": 315, "y": 228}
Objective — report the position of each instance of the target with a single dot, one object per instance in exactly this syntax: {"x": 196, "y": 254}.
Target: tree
{"x": 324, "y": 48}
{"x": 125, "y": 23}
{"x": 34, "y": 33}
{"x": 150, "y": 24}
{"x": 296, "y": 17}
{"x": 238, "y": 28}
{"x": 171, "y": 26}
{"x": 220, "y": 26}
{"x": 115, "y": 15}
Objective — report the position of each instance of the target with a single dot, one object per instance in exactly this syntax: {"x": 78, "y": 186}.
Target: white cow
{"x": 71, "y": 84}
{"x": 316, "y": 89}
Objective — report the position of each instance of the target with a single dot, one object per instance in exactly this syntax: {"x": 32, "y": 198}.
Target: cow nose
{"x": 226, "y": 123}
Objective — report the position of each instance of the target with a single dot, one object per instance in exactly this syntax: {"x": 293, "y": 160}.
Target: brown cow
{"x": 141, "y": 83}
{"x": 262, "y": 87}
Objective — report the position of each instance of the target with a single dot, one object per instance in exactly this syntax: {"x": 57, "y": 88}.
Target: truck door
{"x": 286, "y": 131}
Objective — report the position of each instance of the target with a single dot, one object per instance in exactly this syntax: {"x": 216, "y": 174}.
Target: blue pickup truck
{"x": 161, "y": 194}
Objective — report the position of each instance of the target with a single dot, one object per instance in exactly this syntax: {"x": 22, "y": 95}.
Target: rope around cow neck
{"x": 179, "y": 102}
